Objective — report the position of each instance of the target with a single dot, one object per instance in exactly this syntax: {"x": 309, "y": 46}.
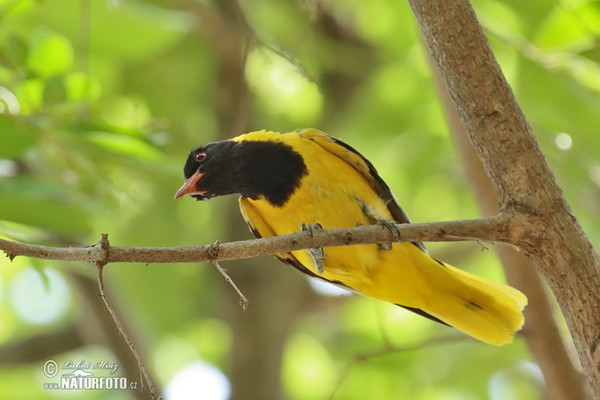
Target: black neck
{"x": 254, "y": 169}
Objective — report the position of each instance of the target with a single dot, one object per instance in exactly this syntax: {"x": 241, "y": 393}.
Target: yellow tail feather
{"x": 486, "y": 310}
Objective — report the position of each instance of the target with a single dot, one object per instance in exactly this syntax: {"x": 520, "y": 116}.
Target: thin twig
{"x": 381, "y": 326}
{"x": 362, "y": 357}
{"x": 244, "y": 303}
{"x": 214, "y": 254}
{"x": 104, "y": 244}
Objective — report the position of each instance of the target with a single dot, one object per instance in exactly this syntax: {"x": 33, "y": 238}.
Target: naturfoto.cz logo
{"x": 77, "y": 376}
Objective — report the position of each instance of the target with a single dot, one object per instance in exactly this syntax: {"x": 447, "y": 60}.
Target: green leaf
{"x": 81, "y": 87}
{"x": 572, "y": 29}
{"x": 127, "y": 114}
{"x": 33, "y": 203}
{"x": 129, "y": 30}
{"x": 51, "y": 54}
{"x": 123, "y": 144}
{"x": 14, "y": 51}
{"x": 55, "y": 91}
{"x": 30, "y": 94}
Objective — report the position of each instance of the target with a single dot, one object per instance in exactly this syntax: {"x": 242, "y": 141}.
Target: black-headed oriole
{"x": 308, "y": 177}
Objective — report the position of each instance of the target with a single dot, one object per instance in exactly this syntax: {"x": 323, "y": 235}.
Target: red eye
{"x": 200, "y": 157}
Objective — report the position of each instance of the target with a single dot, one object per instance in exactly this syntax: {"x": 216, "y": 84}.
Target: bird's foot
{"x": 316, "y": 254}
{"x": 392, "y": 228}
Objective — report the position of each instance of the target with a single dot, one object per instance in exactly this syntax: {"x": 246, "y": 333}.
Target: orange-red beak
{"x": 189, "y": 187}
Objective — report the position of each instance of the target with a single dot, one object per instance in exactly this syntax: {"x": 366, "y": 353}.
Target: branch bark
{"x": 550, "y": 234}
{"x": 562, "y": 380}
{"x": 494, "y": 229}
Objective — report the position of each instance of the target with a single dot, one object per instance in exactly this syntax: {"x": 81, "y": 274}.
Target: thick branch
{"x": 563, "y": 381}
{"x": 520, "y": 174}
{"x": 494, "y": 229}
{"x": 484, "y": 100}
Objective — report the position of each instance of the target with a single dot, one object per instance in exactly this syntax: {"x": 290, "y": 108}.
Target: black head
{"x": 252, "y": 168}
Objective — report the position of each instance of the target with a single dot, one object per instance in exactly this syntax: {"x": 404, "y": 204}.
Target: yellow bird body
{"x": 340, "y": 189}
{"x": 405, "y": 275}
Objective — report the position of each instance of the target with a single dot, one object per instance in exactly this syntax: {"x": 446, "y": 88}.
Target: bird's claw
{"x": 316, "y": 254}
{"x": 392, "y": 228}
{"x": 311, "y": 228}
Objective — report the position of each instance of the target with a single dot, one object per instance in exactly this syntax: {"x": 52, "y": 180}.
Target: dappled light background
{"x": 100, "y": 103}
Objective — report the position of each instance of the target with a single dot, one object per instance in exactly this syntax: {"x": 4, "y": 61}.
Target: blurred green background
{"x": 100, "y": 103}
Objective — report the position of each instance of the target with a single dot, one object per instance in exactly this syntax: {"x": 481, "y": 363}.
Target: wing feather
{"x": 353, "y": 158}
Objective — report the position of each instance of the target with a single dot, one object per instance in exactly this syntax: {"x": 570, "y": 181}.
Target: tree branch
{"x": 550, "y": 234}
{"x": 563, "y": 381}
{"x": 493, "y": 229}
{"x": 104, "y": 244}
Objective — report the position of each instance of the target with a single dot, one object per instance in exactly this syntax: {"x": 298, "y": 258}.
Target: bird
{"x": 306, "y": 180}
